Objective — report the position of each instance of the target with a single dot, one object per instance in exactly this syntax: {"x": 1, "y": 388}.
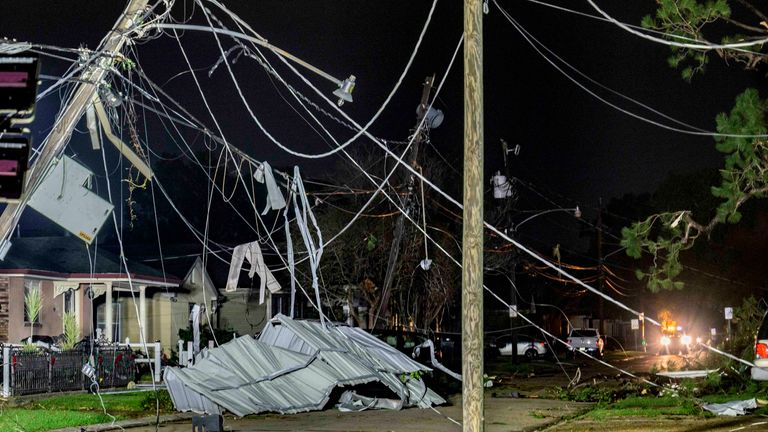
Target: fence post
{"x": 158, "y": 355}
{"x": 181, "y": 353}
{"x": 190, "y": 355}
{"x": 49, "y": 359}
{"x": 6, "y": 371}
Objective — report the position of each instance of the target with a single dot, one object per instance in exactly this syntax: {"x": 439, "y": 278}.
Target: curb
{"x": 129, "y": 423}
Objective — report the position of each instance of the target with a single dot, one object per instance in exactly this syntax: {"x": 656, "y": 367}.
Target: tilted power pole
{"x": 59, "y": 137}
{"x": 397, "y": 238}
{"x": 472, "y": 237}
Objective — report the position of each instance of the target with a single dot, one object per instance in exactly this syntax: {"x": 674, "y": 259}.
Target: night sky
{"x": 573, "y": 146}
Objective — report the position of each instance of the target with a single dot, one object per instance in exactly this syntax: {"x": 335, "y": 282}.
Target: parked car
{"x": 760, "y": 372}
{"x": 586, "y": 340}
{"x": 526, "y": 346}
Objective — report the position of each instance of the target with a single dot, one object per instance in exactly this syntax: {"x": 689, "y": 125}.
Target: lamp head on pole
{"x": 577, "y": 212}
{"x": 344, "y": 92}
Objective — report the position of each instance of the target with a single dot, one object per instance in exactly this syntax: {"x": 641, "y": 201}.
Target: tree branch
{"x": 755, "y": 10}
{"x": 748, "y": 27}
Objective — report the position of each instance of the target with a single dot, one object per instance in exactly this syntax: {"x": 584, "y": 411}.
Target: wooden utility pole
{"x": 58, "y": 139}
{"x": 600, "y": 271}
{"x": 472, "y": 238}
{"x": 394, "y": 251}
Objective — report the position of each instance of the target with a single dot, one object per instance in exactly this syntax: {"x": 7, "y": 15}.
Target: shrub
{"x": 71, "y": 331}
{"x": 159, "y": 398}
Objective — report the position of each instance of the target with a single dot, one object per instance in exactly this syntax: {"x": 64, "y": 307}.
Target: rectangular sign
{"x": 635, "y": 324}
{"x": 729, "y": 313}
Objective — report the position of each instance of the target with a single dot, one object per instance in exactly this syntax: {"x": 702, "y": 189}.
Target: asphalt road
{"x": 504, "y": 413}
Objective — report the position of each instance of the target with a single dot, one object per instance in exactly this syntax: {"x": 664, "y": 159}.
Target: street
{"x": 517, "y": 402}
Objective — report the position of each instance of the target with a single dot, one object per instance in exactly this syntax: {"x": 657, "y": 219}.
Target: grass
{"x": 20, "y": 419}
{"x": 648, "y": 407}
{"x": 78, "y": 410}
{"x": 126, "y": 402}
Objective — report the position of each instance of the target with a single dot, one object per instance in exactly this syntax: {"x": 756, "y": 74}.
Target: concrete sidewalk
{"x": 502, "y": 414}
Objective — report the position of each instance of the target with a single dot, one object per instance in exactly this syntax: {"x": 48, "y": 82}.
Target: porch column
{"x": 143, "y": 313}
{"x": 108, "y": 313}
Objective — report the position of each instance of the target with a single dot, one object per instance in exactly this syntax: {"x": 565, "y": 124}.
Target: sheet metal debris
{"x": 294, "y": 366}
{"x": 732, "y": 408}
{"x": 687, "y": 374}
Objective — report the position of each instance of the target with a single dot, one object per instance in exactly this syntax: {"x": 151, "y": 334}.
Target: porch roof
{"x": 67, "y": 258}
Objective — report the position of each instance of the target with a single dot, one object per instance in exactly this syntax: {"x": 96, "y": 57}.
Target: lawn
{"x": 38, "y": 420}
{"x": 648, "y": 406}
{"x": 80, "y": 409}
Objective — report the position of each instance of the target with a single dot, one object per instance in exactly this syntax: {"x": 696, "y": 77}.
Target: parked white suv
{"x": 760, "y": 372}
{"x": 587, "y": 340}
{"x": 526, "y": 346}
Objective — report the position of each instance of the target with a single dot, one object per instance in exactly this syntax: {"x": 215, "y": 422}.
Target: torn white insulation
{"x": 252, "y": 253}
{"x": 275, "y": 200}
{"x": 304, "y": 215}
{"x": 93, "y": 129}
{"x": 429, "y": 344}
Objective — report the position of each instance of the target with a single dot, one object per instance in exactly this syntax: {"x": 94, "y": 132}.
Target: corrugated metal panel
{"x": 309, "y": 337}
{"x": 185, "y": 399}
{"x": 293, "y": 367}
{"x": 63, "y": 198}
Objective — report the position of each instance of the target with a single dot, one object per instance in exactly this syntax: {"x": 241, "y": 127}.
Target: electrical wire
{"x": 535, "y": 43}
{"x": 700, "y": 45}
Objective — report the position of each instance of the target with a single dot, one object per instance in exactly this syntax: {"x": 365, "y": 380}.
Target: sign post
{"x": 728, "y": 318}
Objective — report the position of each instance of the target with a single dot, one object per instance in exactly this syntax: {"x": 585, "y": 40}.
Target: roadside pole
{"x": 472, "y": 237}
{"x": 397, "y": 237}
{"x": 58, "y": 139}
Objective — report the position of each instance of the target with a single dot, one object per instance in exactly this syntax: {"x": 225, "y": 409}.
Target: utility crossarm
{"x": 125, "y": 150}
{"x": 59, "y": 137}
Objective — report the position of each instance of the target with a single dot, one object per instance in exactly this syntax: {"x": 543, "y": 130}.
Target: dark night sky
{"x": 571, "y": 143}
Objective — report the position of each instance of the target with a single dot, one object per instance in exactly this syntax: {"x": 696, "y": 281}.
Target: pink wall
{"x": 50, "y": 314}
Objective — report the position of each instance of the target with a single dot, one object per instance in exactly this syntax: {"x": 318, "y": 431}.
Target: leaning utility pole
{"x": 472, "y": 238}
{"x": 394, "y": 251}
{"x": 58, "y": 139}
{"x": 600, "y": 271}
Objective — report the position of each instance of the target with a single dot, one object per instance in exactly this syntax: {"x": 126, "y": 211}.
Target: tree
{"x": 33, "y": 303}
{"x": 705, "y": 21}
{"x": 354, "y": 266}
{"x": 741, "y": 139}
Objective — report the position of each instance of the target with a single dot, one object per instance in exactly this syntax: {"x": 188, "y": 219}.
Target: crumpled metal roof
{"x": 293, "y": 367}
{"x": 309, "y": 337}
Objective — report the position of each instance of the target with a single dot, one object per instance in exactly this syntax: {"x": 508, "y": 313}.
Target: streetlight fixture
{"x": 576, "y": 213}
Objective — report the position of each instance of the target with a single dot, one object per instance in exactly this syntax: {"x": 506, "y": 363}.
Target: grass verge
{"x": 80, "y": 410}
{"x": 648, "y": 407}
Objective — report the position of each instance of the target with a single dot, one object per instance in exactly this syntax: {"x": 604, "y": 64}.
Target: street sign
{"x": 713, "y": 331}
{"x": 729, "y": 313}
{"x": 513, "y": 311}
{"x": 635, "y": 324}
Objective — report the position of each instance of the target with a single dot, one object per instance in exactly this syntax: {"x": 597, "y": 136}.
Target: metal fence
{"x": 45, "y": 372}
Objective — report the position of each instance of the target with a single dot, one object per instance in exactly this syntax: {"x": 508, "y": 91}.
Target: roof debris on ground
{"x": 293, "y": 367}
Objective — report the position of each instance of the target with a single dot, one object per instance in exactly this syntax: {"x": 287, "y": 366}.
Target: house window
{"x": 69, "y": 301}
{"x": 31, "y": 286}
{"x": 101, "y": 320}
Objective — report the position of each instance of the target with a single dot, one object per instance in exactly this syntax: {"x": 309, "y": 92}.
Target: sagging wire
{"x": 534, "y": 42}
{"x": 360, "y": 131}
{"x": 94, "y": 386}
{"x": 124, "y": 264}
{"x": 700, "y": 45}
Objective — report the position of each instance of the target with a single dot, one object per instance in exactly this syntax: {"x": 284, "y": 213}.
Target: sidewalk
{"x": 502, "y": 414}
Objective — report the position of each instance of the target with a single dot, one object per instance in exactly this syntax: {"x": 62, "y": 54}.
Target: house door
{"x": 116, "y": 319}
